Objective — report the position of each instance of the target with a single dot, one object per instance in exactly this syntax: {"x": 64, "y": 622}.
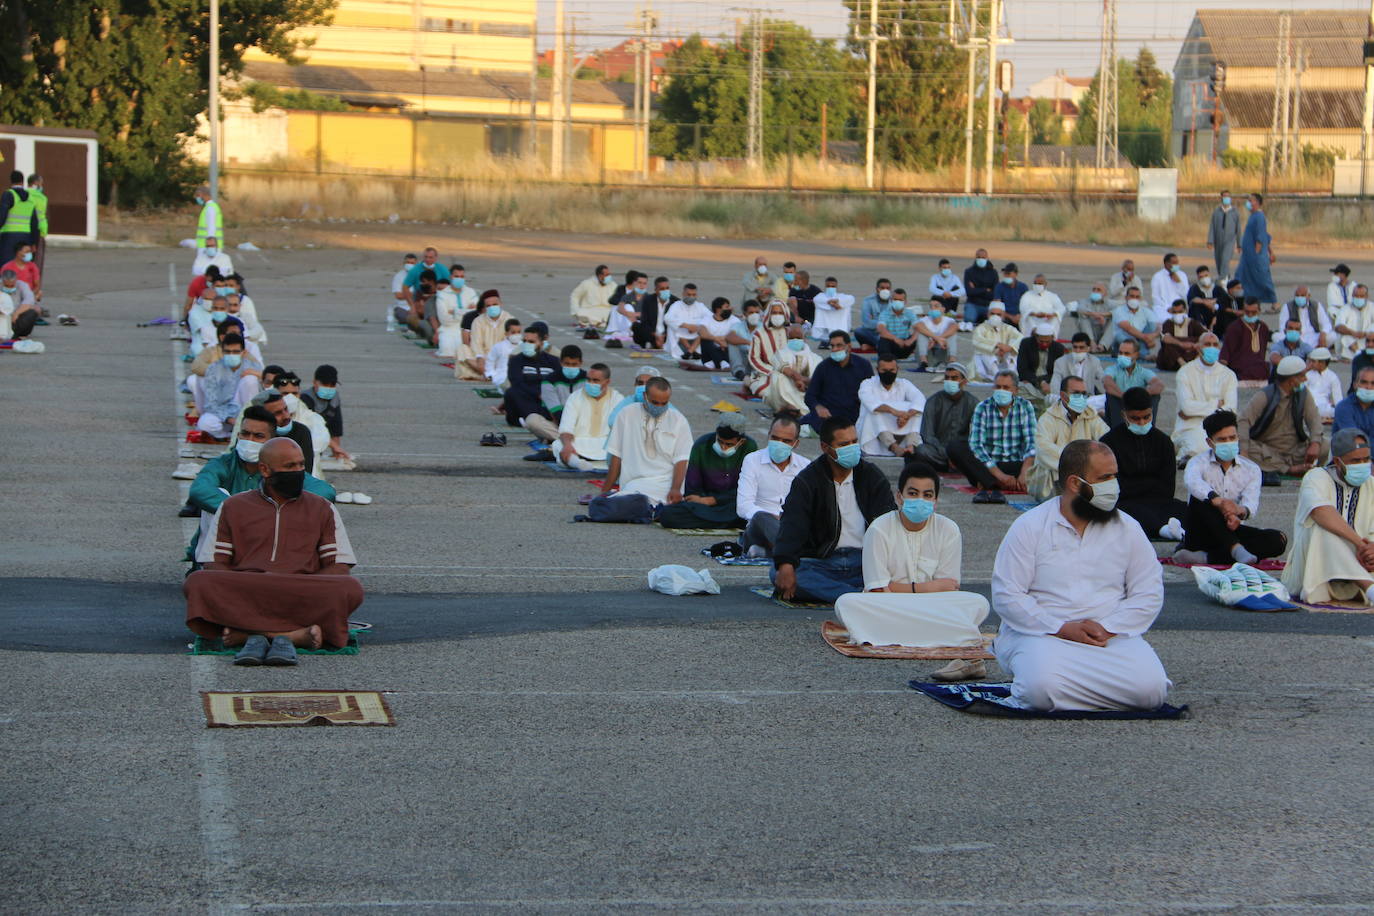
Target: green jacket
{"x": 226, "y": 473}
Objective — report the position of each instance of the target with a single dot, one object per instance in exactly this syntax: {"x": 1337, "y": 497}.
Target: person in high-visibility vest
{"x": 16, "y": 217}
{"x": 40, "y": 220}
{"x": 211, "y": 223}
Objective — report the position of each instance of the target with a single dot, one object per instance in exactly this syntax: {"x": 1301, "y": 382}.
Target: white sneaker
{"x": 346, "y": 498}
{"x": 756, "y": 551}
{"x": 362, "y": 499}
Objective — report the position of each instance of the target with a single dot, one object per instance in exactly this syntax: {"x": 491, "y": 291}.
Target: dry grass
{"x": 293, "y": 204}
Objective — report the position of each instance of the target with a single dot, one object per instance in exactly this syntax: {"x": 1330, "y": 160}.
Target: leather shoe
{"x": 961, "y": 669}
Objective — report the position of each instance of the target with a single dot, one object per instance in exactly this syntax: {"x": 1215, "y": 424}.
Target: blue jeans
{"x": 975, "y": 313}
{"x": 827, "y": 579}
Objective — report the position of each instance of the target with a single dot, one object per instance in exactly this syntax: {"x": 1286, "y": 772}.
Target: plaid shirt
{"x": 898, "y": 324}
{"x": 995, "y": 438}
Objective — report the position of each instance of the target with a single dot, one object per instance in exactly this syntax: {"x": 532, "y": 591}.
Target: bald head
{"x": 281, "y": 454}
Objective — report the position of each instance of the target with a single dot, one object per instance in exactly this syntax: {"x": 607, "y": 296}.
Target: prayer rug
{"x": 640, "y": 354}
{"x": 691, "y": 365}
{"x": 424, "y": 344}
{"x": 724, "y": 407}
{"x": 1022, "y": 505}
{"x": 766, "y": 591}
{"x": 257, "y": 708}
{"x": 203, "y": 646}
{"x": 745, "y": 397}
{"x": 1269, "y": 565}
{"x": 1335, "y": 607}
{"x": 837, "y": 637}
{"x": 488, "y": 392}
{"x": 705, "y": 532}
{"x": 725, "y": 380}
{"x": 995, "y": 700}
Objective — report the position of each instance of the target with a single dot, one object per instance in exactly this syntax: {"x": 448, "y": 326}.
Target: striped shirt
{"x": 995, "y": 438}
{"x": 898, "y": 324}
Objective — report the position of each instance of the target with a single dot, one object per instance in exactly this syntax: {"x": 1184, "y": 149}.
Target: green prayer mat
{"x": 203, "y": 646}
{"x": 424, "y": 344}
{"x": 489, "y": 392}
{"x": 705, "y": 532}
{"x": 766, "y": 591}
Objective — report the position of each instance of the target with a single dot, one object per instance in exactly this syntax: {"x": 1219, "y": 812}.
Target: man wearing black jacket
{"x": 1145, "y": 468}
{"x": 818, "y": 554}
{"x": 980, "y": 279}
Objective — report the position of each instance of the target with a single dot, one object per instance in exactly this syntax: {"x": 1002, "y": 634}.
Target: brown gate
{"x": 63, "y": 167}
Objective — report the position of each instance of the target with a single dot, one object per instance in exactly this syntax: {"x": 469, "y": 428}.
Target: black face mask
{"x": 887, "y": 378}
{"x": 287, "y": 484}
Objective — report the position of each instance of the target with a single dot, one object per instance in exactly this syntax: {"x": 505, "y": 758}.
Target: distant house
{"x": 1067, "y": 110}
{"x": 1059, "y": 86}
{"x": 618, "y": 62}
{"x": 1326, "y": 99}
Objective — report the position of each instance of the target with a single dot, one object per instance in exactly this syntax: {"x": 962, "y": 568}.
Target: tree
{"x": 709, "y": 85}
{"x": 1144, "y": 111}
{"x": 135, "y": 72}
{"x": 1047, "y": 126}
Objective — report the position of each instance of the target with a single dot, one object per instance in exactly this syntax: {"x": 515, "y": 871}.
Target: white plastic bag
{"x": 680, "y": 580}
{"x": 29, "y": 346}
{"x": 1242, "y": 586}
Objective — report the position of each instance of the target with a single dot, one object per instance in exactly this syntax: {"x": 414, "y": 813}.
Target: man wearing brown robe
{"x": 277, "y": 563}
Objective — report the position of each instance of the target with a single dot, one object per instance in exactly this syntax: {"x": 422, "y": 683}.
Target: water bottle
{"x": 390, "y": 321}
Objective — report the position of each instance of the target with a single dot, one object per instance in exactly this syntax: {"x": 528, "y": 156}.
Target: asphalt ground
{"x": 567, "y": 740}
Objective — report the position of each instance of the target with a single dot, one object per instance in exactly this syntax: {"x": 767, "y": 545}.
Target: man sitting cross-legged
{"x": 818, "y": 554}
{"x": 1077, "y": 585}
{"x": 1068, "y": 419}
{"x": 1146, "y": 468}
{"x": 1000, "y": 448}
{"x": 765, "y": 479}
{"x": 584, "y": 424}
{"x": 229, "y": 384}
{"x": 713, "y": 469}
{"x": 277, "y": 567}
{"x": 649, "y": 446}
{"x": 1333, "y": 530}
{"x": 911, "y": 591}
{"x": 890, "y": 415}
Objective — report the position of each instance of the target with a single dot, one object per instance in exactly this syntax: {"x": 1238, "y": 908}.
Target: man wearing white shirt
{"x": 683, "y": 323}
{"x": 211, "y": 254}
{"x": 1354, "y": 321}
{"x": 1040, "y": 306}
{"x": 590, "y": 302}
{"x": 764, "y": 481}
{"x": 1322, "y": 383}
{"x": 1168, "y": 283}
{"x": 946, "y": 286}
{"x": 760, "y": 277}
{"x": 889, "y": 413}
{"x": 834, "y": 311}
{"x": 584, "y": 424}
{"x": 398, "y": 308}
{"x": 1339, "y": 290}
{"x": 1315, "y": 321}
{"x": 1077, "y": 586}
{"x": 498, "y": 360}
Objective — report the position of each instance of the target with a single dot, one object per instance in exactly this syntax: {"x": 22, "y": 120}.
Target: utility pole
{"x": 214, "y": 99}
{"x": 972, "y": 45}
{"x": 644, "y": 50}
{"x": 754, "y": 141}
{"x": 556, "y": 87}
{"x": 1367, "y": 137}
{"x": 994, "y": 24}
{"x": 872, "y": 91}
{"x": 1278, "y": 118}
{"x": 1108, "y": 123}
{"x": 1295, "y": 144}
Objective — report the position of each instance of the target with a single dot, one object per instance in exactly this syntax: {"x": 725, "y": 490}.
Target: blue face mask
{"x": 639, "y": 394}
{"x": 26, "y": 257}
{"x": 1210, "y": 355}
{"x": 796, "y": 345}
{"x": 847, "y": 456}
{"x": 1226, "y": 451}
{"x": 789, "y": 277}
{"x": 527, "y": 349}
{"x": 1095, "y": 296}
{"x": 327, "y": 394}
{"x": 917, "y": 511}
{"x": 655, "y": 410}
{"x": 283, "y": 430}
{"x": 571, "y": 372}
{"x": 1365, "y": 395}
{"x": 722, "y": 451}
{"x": 1124, "y": 361}
{"x": 778, "y": 452}
{"x": 233, "y": 360}
{"x": 838, "y": 355}
{"x": 1249, "y": 319}
{"x": 663, "y": 295}
{"x": 493, "y": 312}
{"x": 831, "y": 291}
{"x": 211, "y": 252}
{"x": 1299, "y": 301}
{"x": 951, "y": 387}
{"x": 592, "y": 389}
{"x": 224, "y": 290}
{"x": 944, "y": 271}
{"x": 937, "y": 314}
{"x": 1078, "y": 402}
{"x": 1226, "y": 201}
{"x": 1001, "y": 397}
{"x": 1357, "y": 474}
{"x": 1249, "y": 206}
{"x": 1292, "y": 336}
{"x": 457, "y": 282}
{"x": 981, "y": 262}
{"x": 218, "y": 317}
{"x": 1140, "y": 430}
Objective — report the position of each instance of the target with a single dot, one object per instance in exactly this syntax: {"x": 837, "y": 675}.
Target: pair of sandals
{"x": 353, "y": 499}
{"x": 280, "y": 652}
{"x": 493, "y": 440}
{"x": 67, "y": 321}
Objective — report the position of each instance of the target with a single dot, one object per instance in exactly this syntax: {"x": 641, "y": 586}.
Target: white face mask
{"x": 995, "y": 320}
{"x": 248, "y": 450}
{"x": 1038, "y": 287}
{"x": 1205, "y": 283}
{"x": 1179, "y": 319}
{"x": 513, "y": 339}
{"x": 1133, "y": 304}
{"x": 1105, "y": 494}
{"x": 777, "y": 321}
{"x": 292, "y": 402}
{"x": 1079, "y": 358}
{"x": 762, "y": 270}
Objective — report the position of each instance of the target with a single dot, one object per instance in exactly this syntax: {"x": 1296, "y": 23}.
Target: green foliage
{"x": 1144, "y": 111}
{"x": 136, "y": 72}
{"x": 1046, "y": 125}
{"x": 1313, "y": 159}
{"x": 264, "y": 96}
{"x": 709, "y": 85}
{"x": 1247, "y": 160}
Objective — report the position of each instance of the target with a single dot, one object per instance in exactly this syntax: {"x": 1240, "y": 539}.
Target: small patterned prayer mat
{"x": 1335, "y": 607}
{"x": 705, "y": 532}
{"x": 995, "y": 700}
{"x": 258, "y": 708}
{"x": 837, "y": 637}
{"x": 489, "y": 392}
{"x": 766, "y": 591}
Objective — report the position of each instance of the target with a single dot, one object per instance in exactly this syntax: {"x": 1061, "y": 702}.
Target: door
{"x": 63, "y": 167}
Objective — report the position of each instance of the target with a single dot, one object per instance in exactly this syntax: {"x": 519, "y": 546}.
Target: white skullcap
{"x": 1044, "y": 329}
{"x": 1320, "y": 353}
{"x": 996, "y": 304}
{"x": 1292, "y": 365}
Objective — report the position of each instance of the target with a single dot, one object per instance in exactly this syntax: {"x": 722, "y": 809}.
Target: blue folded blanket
{"x": 995, "y": 700}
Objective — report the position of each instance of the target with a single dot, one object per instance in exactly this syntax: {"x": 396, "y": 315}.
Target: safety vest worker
{"x": 211, "y": 223}
{"x": 16, "y": 217}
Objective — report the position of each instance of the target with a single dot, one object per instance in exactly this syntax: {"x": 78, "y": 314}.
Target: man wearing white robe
{"x": 1204, "y": 387}
{"x": 994, "y": 343}
{"x": 590, "y": 302}
{"x": 1354, "y": 320}
{"x": 834, "y": 310}
{"x": 889, "y": 412}
{"x": 584, "y": 424}
{"x": 649, "y": 446}
{"x": 1077, "y": 586}
{"x": 1332, "y": 553}
{"x": 219, "y": 259}
{"x": 683, "y": 322}
{"x": 911, "y": 597}
{"x": 792, "y": 368}
{"x": 1168, "y": 284}
{"x": 450, "y": 305}
{"x": 1040, "y": 306}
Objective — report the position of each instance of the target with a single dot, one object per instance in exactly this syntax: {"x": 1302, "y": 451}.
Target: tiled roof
{"x": 1321, "y": 108}
{"x": 1249, "y": 38}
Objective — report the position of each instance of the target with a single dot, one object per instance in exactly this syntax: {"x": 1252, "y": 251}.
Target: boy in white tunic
{"x": 1077, "y": 585}
{"x": 1322, "y": 383}
{"x": 911, "y": 597}
{"x": 1333, "y": 531}
{"x": 889, "y": 412}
